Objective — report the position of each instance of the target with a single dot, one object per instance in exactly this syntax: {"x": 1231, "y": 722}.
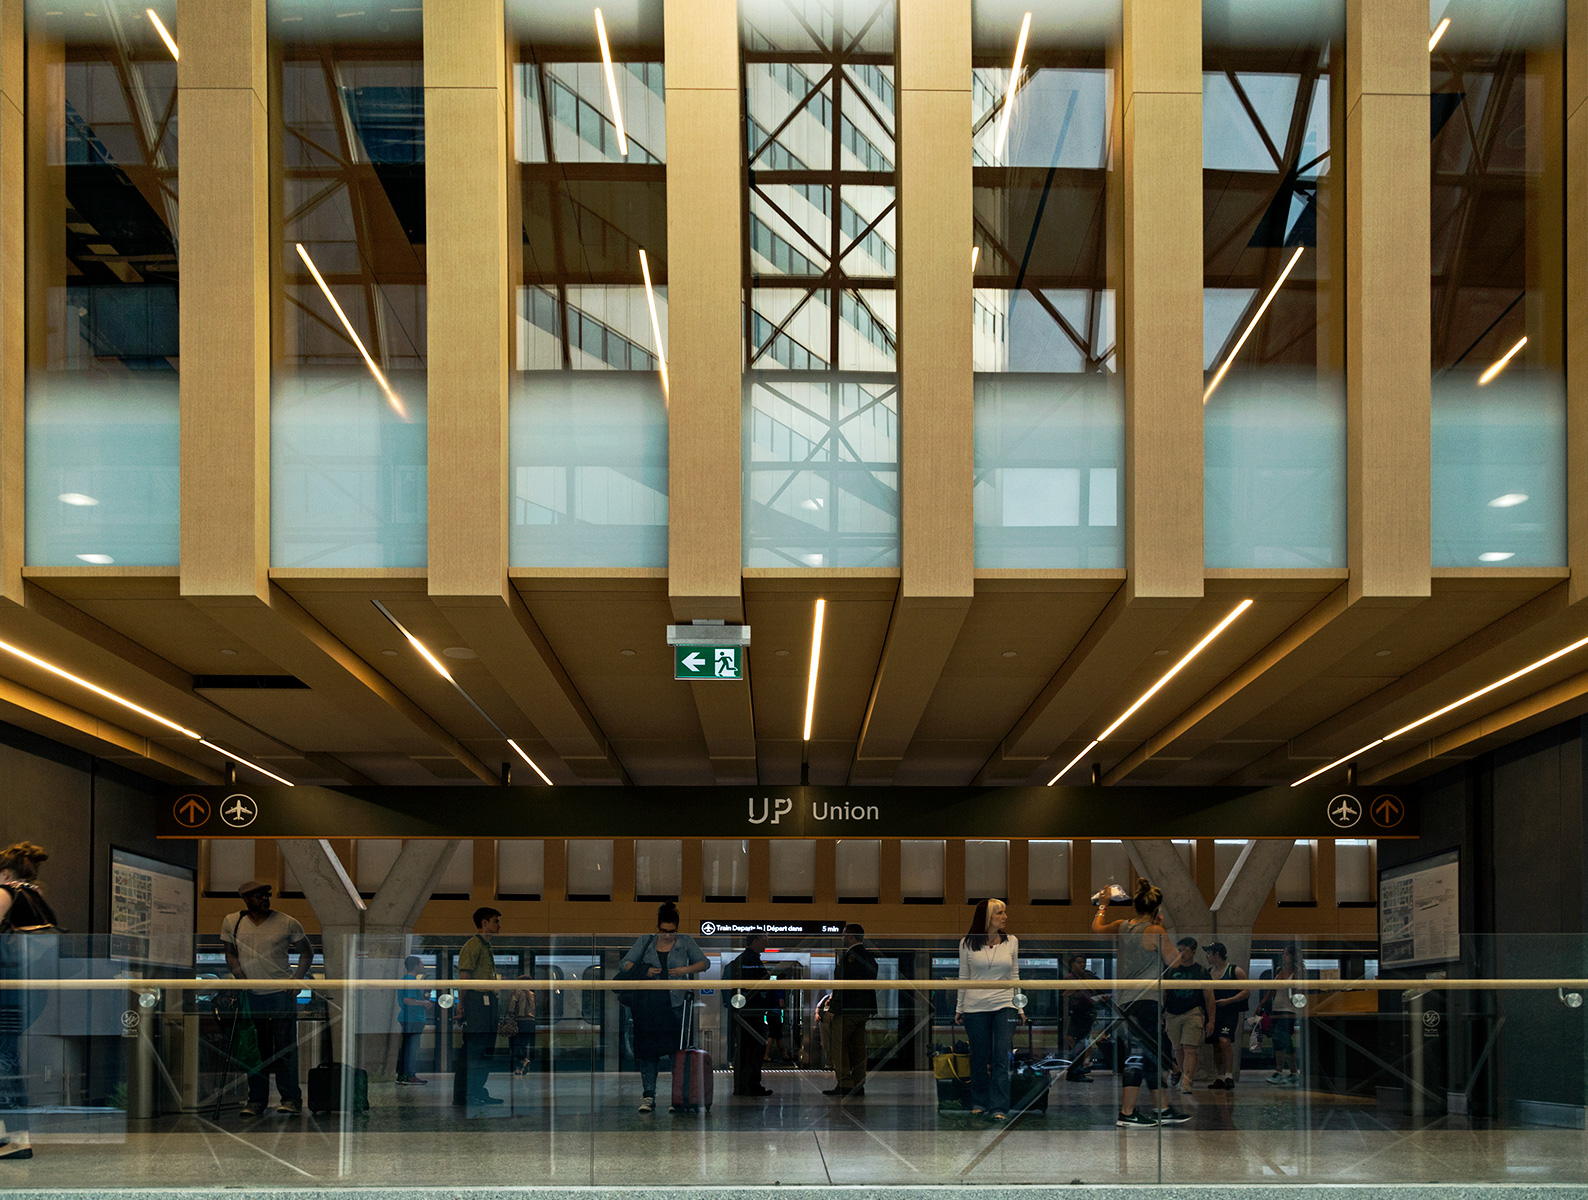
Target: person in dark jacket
{"x": 24, "y": 913}
{"x": 851, "y": 1011}
{"x": 749, "y": 1022}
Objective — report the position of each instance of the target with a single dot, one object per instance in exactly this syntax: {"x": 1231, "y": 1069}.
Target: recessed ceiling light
{"x": 98, "y": 560}
{"x": 1009, "y": 653}
{"x": 1381, "y": 654}
{"x": 813, "y": 504}
{"x": 781, "y": 653}
{"x": 229, "y": 653}
{"x": 1160, "y": 653}
{"x": 1509, "y": 500}
{"x": 459, "y": 652}
{"x": 78, "y": 500}
{"x": 626, "y": 653}
{"x": 1486, "y": 556}
{"x": 389, "y": 653}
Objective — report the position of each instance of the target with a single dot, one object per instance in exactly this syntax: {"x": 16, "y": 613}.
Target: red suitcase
{"x": 692, "y": 1079}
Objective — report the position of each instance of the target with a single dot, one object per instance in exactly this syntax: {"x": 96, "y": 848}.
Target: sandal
{"x": 999, "y": 1116}
{"x": 978, "y": 1112}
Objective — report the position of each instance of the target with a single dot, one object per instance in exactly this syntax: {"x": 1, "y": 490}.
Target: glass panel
{"x": 1295, "y": 877}
{"x": 859, "y": 868}
{"x": 589, "y": 400}
{"x": 348, "y": 387}
{"x": 821, "y": 446}
{"x": 986, "y": 869}
{"x": 231, "y": 864}
{"x": 1049, "y": 425}
{"x": 1048, "y": 868}
{"x": 1498, "y": 252}
{"x": 520, "y": 867}
{"x": 102, "y": 356}
{"x": 373, "y": 859}
{"x": 725, "y": 868}
{"x": 1354, "y": 870}
{"x": 921, "y": 869}
{"x": 590, "y": 868}
{"x": 793, "y": 867}
{"x": 658, "y": 868}
{"x": 1273, "y": 286}
{"x": 457, "y": 878}
{"x": 1110, "y": 864}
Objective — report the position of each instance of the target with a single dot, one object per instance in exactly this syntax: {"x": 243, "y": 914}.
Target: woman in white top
{"x": 989, "y": 1015}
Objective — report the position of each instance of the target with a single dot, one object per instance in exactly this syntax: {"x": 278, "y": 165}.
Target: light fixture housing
{"x": 165, "y": 34}
{"x": 816, "y": 662}
{"x": 612, "y": 83}
{"x": 656, "y": 325}
{"x": 380, "y": 377}
{"x": 1439, "y": 32}
{"x": 1229, "y": 359}
{"x": 1014, "y": 82}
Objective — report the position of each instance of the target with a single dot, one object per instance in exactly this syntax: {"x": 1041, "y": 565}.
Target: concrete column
{"x": 367, "y": 941}
{"x": 1244, "y": 893}
{"x": 1185, "y": 908}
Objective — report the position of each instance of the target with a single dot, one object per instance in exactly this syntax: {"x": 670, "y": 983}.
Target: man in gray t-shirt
{"x": 259, "y": 944}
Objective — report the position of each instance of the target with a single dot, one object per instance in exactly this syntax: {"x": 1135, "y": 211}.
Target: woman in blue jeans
{"x": 989, "y": 1015}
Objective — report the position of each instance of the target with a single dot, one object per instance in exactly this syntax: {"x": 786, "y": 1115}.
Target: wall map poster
{"x": 151, "y": 911}
{"x": 1419, "y": 912}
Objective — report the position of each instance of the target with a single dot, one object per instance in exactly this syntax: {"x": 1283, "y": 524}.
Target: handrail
{"x": 796, "y": 985}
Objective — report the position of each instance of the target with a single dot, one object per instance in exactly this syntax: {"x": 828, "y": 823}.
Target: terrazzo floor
{"x": 579, "y": 1130}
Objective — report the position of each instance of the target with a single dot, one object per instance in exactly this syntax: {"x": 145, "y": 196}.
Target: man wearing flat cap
{"x": 259, "y": 944}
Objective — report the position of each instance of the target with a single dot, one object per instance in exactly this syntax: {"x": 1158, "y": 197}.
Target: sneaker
{"x": 250, "y": 1109}
{"x": 18, "y": 1154}
{"x": 417, "y": 1082}
{"x": 403, "y": 1081}
{"x": 291, "y": 1108}
{"x": 1185, "y": 1087}
{"x": 1173, "y": 1116}
{"x": 647, "y": 1104}
{"x": 1136, "y": 1120}
{"x": 1292, "y": 1080}
{"x": 1276, "y": 1077}
{"x": 1220, "y": 1083}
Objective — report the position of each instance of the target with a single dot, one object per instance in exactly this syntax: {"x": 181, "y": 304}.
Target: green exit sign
{"x": 708, "y": 662}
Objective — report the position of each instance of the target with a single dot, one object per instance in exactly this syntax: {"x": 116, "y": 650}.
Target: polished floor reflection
{"x": 575, "y": 1129}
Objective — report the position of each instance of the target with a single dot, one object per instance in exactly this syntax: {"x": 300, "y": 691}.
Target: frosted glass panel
{"x": 1295, "y": 877}
{"x": 1499, "y": 471}
{"x": 859, "y": 869}
{"x": 986, "y": 870}
{"x": 921, "y": 869}
{"x": 1048, "y": 870}
{"x": 1354, "y": 875}
{"x": 821, "y": 472}
{"x": 793, "y": 867}
{"x": 1274, "y": 471}
{"x": 373, "y": 859}
{"x": 457, "y": 879}
{"x": 724, "y": 867}
{"x": 1047, "y": 484}
{"x": 231, "y": 864}
{"x": 658, "y": 867}
{"x": 347, "y": 471}
{"x": 1110, "y": 864}
{"x": 103, "y": 469}
{"x": 520, "y": 867}
{"x": 590, "y": 867}
{"x": 589, "y": 469}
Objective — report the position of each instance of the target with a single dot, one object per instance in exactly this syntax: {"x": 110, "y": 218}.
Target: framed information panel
{"x": 1419, "y": 912}
{"x": 152, "y": 911}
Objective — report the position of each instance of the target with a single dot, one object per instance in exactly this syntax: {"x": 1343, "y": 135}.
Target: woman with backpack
{"x": 658, "y": 1015}
{"x": 23, "y": 913}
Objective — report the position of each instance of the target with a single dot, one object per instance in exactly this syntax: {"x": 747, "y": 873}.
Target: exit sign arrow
{"x": 708, "y": 662}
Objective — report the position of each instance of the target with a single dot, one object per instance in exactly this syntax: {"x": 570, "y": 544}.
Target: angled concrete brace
{"x": 1245, "y": 892}
{"x": 369, "y": 939}
{"x": 1185, "y": 910}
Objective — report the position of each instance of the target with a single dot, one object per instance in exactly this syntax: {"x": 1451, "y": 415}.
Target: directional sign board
{"x": 708, "y": 662}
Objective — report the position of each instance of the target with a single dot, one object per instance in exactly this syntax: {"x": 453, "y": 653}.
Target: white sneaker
{"x": 1276, "y": 1077}
{"x": 647, "y": 1104}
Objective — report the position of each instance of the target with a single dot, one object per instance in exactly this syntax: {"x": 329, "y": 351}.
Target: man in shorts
{"x": 1229, "y": 1013}
{"x": 1080, "y": 1017}
{"x": 1188, "y": 1011}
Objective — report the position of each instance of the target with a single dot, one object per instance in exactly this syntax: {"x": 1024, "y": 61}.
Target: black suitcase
{"x": 326, "y": 1092}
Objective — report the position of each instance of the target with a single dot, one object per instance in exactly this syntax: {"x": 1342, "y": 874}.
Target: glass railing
{"x": 121, "y": 1075}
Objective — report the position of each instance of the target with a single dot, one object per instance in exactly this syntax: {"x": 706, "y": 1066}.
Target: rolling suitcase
{"x": 692, "y": 1079}
{"x": 334, "y": 1087}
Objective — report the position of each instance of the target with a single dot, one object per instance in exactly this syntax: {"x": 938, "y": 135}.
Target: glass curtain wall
{"x": 821, "y": 394}
{"x": 347, "y": 155}
{"x": 1273, "y": 134}
{"x": 589, "y": 400}
{"x": 1496, "y": 77}
{"x": 103, "y": 428}
{"x": 1049, "y": 411}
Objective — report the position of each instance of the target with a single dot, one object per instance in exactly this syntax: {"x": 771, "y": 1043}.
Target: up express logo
{"x": 772, "y": 810}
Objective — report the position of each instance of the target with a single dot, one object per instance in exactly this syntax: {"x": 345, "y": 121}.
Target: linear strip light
{"x": 1014, "y": 82}
{"x": 612, "y": 83}
{"x": 1451, "y": 707}
{"x": 816, "y": 662}
{"x": 1433, "y": 38}
{"x": 62, "y": 673}
{"x": 352, "y": 333}
{"x": 1252, "y": 324}
{"x": 240, "y": 759}
{"x": 520, "y": 751}
{"x": 97, "y": 690}
{"x": 165, "y": 34}
{"x": 975, "y": 253}
{"x": 424, "y": 653}
{"x": 656, "y": 326}
{"x": 1504, "y": 362}
{"x": 1155, "y": 688}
